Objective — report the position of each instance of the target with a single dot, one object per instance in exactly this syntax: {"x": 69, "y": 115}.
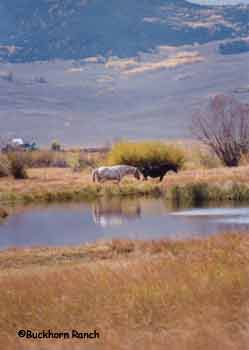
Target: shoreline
{"x": 188, "y": 187}
{"x": 110, "y": 250}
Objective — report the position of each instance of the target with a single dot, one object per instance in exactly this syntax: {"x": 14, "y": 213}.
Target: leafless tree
{"x": 224, "y": 127}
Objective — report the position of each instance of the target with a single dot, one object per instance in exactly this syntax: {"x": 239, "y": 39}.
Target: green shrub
{"x": 141, "y": 154}
{"x": 18, "y": 165}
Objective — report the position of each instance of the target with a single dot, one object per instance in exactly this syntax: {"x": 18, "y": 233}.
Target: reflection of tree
{"x": 109, "y": 212}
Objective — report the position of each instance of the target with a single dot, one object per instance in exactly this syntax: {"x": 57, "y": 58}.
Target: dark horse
{"x": 157, "y": 170}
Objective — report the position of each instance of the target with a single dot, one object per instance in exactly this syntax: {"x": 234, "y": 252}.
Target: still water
{"x": 70, "y": 224}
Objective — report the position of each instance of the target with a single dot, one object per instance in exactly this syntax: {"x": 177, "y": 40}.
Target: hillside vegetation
{"x": 70, "y": 29}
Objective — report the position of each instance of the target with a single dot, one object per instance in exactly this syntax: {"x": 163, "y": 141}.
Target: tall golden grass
{"x": 191, "y": 295}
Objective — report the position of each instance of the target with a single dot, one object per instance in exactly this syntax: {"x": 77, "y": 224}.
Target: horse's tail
{"x": 95, "y": 175}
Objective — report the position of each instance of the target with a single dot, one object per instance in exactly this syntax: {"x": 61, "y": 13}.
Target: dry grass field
{"x": 176, "y": 295}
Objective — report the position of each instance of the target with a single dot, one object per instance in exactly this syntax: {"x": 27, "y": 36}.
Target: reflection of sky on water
{"x": 235, "y": 220}
{"x": 71, "y": 224}
{"x": 214, "y": 212}
{"x": 236, "y": 216}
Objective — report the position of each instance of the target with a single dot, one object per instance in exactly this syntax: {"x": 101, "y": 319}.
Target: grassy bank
{"x": 56, "y": 184}
{"x": 188, "y": 187}
{"x": 197, "y": 194}
{"x": 201, "y": 186}
{"x": 146, "y": 295}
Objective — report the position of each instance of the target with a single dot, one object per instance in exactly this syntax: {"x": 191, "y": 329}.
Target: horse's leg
{"x": 116, "y": 180}
{"x": 145, "y": 178}
{"x": 161, "y": 178}
{"x": 119, "y": 179}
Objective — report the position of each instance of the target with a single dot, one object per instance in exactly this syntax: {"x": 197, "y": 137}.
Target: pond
{"x": 71, "y": 224}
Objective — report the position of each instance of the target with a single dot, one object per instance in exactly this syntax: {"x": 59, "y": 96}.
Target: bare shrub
{"x": 48, "y": 158}
{"x": 4, "y": 166}
{"x": 224, "y": 127}
{"x": 18, "y": 165}
{"x": 56, "y": 146}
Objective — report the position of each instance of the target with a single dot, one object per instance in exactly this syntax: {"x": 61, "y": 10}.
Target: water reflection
{"x": 114, "y": 211}
{"x": 107, "y": 218}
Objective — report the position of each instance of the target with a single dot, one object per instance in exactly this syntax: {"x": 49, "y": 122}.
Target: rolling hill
{"x": 71, "y": 29}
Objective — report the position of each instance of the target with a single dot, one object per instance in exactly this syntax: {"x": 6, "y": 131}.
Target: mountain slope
{"x": 47, "y": 29}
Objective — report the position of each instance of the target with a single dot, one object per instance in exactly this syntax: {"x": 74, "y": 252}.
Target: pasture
{"x": 138, "y": 294}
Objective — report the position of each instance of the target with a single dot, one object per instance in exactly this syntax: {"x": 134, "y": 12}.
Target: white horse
{"x": 116, "y": 172}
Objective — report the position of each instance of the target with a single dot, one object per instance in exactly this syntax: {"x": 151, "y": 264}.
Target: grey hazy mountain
{"x": 71, "y": 29}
